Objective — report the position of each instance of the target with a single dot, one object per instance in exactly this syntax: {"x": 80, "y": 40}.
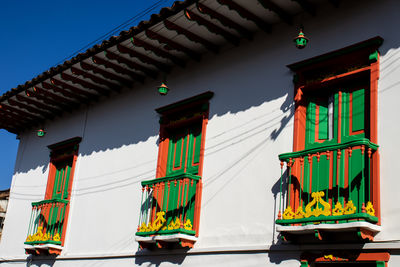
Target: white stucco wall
{"x": 251, "y": 122}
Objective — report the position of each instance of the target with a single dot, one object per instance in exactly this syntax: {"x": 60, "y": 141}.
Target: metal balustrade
{"x": 46, "y": 222}
{"x": 328, "y": 184}
{"x": 168, "y": 205}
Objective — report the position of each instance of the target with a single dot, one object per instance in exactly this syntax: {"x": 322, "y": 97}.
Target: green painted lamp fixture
{"x": 40, "y": 132}
{"x": 301, "y": 40}
{"x": 163, "y": 89}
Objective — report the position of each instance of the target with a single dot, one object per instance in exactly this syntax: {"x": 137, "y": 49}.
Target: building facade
{"x": 259, "y": 154}
{"x": 4, "y": 195}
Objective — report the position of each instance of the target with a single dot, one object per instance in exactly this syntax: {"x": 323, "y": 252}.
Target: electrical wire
{"x": 116, "y": 29}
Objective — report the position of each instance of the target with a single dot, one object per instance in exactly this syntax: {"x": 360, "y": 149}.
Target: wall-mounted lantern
{"x": 163, "y": 89}
{"x": 301, "y": 40}
{"x": 40, "y": 133}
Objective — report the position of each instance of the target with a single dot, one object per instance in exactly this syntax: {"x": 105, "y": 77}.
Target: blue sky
{"x": 36, "y": 35}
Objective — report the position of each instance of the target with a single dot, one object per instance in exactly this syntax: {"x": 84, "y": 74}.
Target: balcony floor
{"x": 341, "y": 227}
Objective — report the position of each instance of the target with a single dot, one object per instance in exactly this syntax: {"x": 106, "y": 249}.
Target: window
{"x": 170, "y": 207}
{"x": 47, "y": 226}
{"x": 332, "y": 174}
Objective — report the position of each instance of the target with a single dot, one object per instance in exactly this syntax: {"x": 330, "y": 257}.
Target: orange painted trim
{"x": 299, "y": 129}
{"x": 376, "y": 185}
{"x": 196, "y": 217}
{"x": 50, "y": 180}
{"x": 162, "y": 153}
{"x": 345, "y": 256}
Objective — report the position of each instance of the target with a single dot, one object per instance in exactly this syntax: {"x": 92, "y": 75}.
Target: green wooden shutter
{"x": 184, "y": 150}
{"x": 358, "y": 110}
{"x": 61, "y": 179}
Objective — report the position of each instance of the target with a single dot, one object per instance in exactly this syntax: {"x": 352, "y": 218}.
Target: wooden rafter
{"x": 105, "y": 74}
{"x": 211, "y": 27}
{"x": 130, "y": 64}
{"x": 44, "y": 113}
{"x": 12, "y": 119}
{"x": 42, "y": 95}
{"x": 307, "y": 6}
{"x": 67, "y": 97}
{"x": 227, "y": 22}
{"x": 22, "y": 115}
{"x": 244, "y": 13}
{"x": 54, "y": 98}
{"x": 143, "y": 58}
{"x": 172, "y": 44}
{"x": 67, "y": 93}
{"x": 85, "y": 84}
{"x": 191, "y": 36}
{"x": 117, "y": 68}
{"x": 94, "y": 78}
{"x": 61, "y": 87}
{"x": 8, "y": 125}
{"x": 268, "y": 4}
{"x": 29, "y": 100}
{"x": 159, "y": 52}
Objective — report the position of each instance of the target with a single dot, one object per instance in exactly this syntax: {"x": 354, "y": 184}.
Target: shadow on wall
{"x": 239, "y": 77}
{"x": 163, "y": 256}
{"x": 40, "y": 261}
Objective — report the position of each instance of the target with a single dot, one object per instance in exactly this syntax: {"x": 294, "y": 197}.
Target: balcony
{"x": 46, "y": 225}
{"x": 329, "y": 191}
{"x": 169, "y": 211}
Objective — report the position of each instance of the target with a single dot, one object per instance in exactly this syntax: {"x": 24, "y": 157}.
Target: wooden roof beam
{"x": 105, "y": 74}
{"x": 172, "y": 44}
{"x": 282, "y": 14}
{"x": 227, "y": 22}
{"x": 44, "y": 113}
{"x": 118, "y": 68}
{"x": 47, "y": 98}
{"x": 6, "y": 125}
{"x": 130, "y": 64}
{"x": 307, "y": 6}
{"x": 75, "y": 96}
{"x": 85, "y": 84}
{"x": 159, "y": 52}
{"x": 57, "y": 99}
{"x": 63, "y": 87}
{"x": 191, "y": 36}
{"x": 22, "y": 115}
{"x": 143, "y": 58}
{"x": 10, "y": 119}
{"x": 94, "y": 78}
{"x": 31, "y": 101}
{"x": 244, "y": 13}
{"x": 211, "y": 27}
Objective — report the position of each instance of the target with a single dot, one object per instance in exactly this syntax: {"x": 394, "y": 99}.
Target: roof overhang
{"x": 171, "y": 38}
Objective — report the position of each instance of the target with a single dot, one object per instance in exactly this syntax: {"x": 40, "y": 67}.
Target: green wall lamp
{"x": 301, "y": 40}
{"x": 40, "y": 133}
{"x": 163, "y": 89}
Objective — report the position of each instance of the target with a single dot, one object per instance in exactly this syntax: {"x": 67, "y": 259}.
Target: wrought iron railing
{"x": 46, "y": 222}
{"x": 169, "y": 205}
{"x": 328, "y": 184}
